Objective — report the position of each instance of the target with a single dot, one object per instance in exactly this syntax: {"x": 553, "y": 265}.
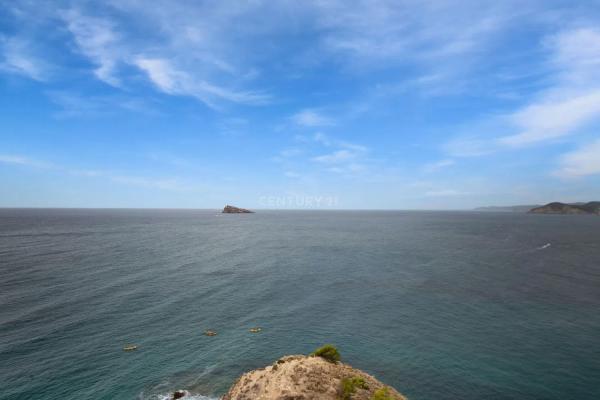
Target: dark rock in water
{"x": 593, "y": 207}
{"x": 178, "y": 394}
{"x": 235, "y": 210}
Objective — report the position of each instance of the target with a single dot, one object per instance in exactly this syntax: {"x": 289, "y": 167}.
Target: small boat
{"x": 209, "y": 332}
{"x": 255, "y": 330}
{"x": 130, "y": 347}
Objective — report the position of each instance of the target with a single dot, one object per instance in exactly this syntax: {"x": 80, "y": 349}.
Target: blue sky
{"x": 288, "y": 104}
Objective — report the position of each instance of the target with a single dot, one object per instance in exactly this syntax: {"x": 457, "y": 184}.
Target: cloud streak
{"x": 13, "y": 159}
{"x": 97, "y": 39}
{"x": 17, "y": 58}
{"x": 168, "y": 184}
{"x": 549, "y": 120}
{"x": 311, "y": 118}
{"x": 565, "y": 108}
{"x": 188, "y": 49}
{"x": 582, "y": 162}
{"x": 178, "y": 60}
{"x": 336, "y": 157}
{"x": 438, "y": 165}
{"x": 345, "y": 158}
{"x": 406, "y": 31}
{"x": 574, "y": 100}
{"x": 170, "y": 80}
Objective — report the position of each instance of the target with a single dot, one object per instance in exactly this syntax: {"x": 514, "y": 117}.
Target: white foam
{"x": 544, "y": 246}
{"x": 190, "y": 396}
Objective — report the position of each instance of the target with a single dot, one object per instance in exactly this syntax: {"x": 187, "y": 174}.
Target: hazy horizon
{"x": 311, "y": 105}
{"x": 256, "y": 208}
{"x": 281, "y": 208}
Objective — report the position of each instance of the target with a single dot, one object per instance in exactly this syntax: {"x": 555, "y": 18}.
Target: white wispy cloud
{"x": 171, "y": 159}
{"x": 438, "y": 165}
{"x": 411, "y": 32}
{"x": 167, "y": 184}
{"x": 470, "y": 146}
{"x": 17, "y": 58}
{"x": 576, "y": 56}
{"x": 324, "y": 140}
{"x": 161, "y": 183}
{"x": 336, "y": 157}
{"x": 568, "y": 107}
{"x": 327, "y": 154}
{"x": 161, "y": 73}
{"x": 445, "y": 193}
{"x": 24, "y": 161}
{"x": 574, "y": 99}
{"x": 189, "y": 49}
{"x": 353, "y": 146}
{"x": 292, "y": 175}
{"x": 290, "y": 152}
{"x": 149, "y": 182}
{"x": 321, "y": 138}
{"x": 344, "y": 158}
{"x": 171, "y": 184}
{"x": 86, "y": 172}
{"x": 98, "y": 39}
{"x": 170, "y": 80}
{"x": 349, "y": 169}
{"x": 76, "y": 105}
{"x": 568, "y": 104}
{"x": 181, "y": 58}
{"x": 311, "y": 118}
{"x": 582, "y": 162}
{"x": 548, "y": 120}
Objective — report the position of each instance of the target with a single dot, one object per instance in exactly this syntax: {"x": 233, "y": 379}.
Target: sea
{"x": 439, "y": 305}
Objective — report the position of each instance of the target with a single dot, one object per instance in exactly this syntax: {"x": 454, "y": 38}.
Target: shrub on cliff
{"x": 328, "y": 352}
{"x": 349, "y": 386}
{"x": 382, "y": 394}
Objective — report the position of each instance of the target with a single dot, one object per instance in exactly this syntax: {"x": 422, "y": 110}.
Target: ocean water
{"x": 440, "y": 305}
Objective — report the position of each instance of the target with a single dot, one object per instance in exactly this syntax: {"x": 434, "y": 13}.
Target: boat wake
{"x": 544, "y": 246}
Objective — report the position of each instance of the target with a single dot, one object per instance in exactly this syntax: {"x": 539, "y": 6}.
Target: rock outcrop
{"x": 309, "y": 378}
{"x": 179, "y": 394}
{"x": 235, "y": 210}
{"x": 593, "y": 207}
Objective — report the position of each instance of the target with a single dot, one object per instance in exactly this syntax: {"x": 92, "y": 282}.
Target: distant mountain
{"x": 517, "y": 209}
{"x": 593, "y": 207}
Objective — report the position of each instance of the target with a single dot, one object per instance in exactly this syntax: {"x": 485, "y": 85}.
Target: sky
{"x": 299, "y": 104}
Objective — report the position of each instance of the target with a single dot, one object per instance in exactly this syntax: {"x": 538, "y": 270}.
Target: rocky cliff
{"x": 309, "y": 378}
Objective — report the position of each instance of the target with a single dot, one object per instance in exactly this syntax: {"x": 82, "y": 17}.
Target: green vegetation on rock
{"x": 382, "y": 394}
{"x": 328, "y": 352}
{"x": 349, "y": 386}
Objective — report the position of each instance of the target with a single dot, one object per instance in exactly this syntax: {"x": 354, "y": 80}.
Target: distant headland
{"x": 235, "y": 210}
{"x": 592, "y": 207}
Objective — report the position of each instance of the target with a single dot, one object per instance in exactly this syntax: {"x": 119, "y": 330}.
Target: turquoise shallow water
{"x": 441, "y": 305}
